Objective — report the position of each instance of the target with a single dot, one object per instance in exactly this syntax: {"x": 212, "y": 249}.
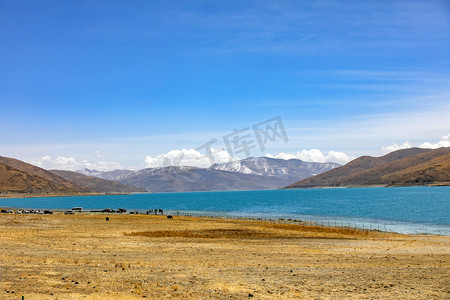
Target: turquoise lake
{"x": 404, "y": 209}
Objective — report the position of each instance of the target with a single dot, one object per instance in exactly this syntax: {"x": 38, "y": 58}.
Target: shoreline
{"x": 135, "y": 256}
{"x": 437, "y": 184}
{"x": 356, "y": 223}
{"x": 8, "y": 195}
{"x": 360, "y": 224}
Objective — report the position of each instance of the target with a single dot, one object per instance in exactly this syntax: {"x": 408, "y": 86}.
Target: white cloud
{"x": 443, "y": 142}
{"x": 187, "y": 157}
{"x": 315, "y": 155}
{"x": 71, "y": 164}
{"x": 396, "y": 147}
{"x": 338, "y": 157}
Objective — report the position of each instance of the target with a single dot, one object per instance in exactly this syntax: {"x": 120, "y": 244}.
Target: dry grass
{"x": 137, "y": 256}
{"x": 205, "y": 233}
{"x": 253, "y": 229}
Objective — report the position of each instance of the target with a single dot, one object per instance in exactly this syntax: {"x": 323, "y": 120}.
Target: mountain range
{"x": 407, "y": 167}
{"x": 254, "y": 173}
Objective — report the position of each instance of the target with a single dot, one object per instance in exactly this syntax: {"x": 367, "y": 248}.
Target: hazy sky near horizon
{"x": 126, "y": 84}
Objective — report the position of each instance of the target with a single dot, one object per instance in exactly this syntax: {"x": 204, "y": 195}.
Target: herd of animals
{"x": 154, "y": 211}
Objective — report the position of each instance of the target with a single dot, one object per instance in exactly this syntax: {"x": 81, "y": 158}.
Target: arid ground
{"x": 138, "y": 256}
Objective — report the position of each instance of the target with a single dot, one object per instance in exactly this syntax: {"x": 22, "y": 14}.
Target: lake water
{"x": 404, "y": 209}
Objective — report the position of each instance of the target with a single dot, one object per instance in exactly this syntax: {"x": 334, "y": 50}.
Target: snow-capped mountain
{"x": 265, "y": 166}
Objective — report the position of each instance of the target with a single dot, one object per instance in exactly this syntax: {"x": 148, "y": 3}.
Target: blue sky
{"x": 116, "y": 82}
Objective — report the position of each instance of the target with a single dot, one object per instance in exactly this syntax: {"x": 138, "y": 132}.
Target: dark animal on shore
{"x": 169, "y": 217}
{"x": 107, "y": 218}
{"x": 160, "y": 211}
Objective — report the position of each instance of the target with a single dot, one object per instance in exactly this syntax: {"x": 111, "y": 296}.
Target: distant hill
{"x": 97, "y": 184}
{"x": 189, "y": 179}
{"x": 108, "y": 175}
{"x": 20, "y": 177}
{"x": 414, "y": 166}
{"x": 88, "y": 172}
{"x": 36, "y": 171}
{"x": 16, "y": 181}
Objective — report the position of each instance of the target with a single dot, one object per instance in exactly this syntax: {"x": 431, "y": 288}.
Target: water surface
{"x": 401, "y": 209}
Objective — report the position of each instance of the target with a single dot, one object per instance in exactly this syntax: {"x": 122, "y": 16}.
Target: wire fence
{"x": 303, "y": 221}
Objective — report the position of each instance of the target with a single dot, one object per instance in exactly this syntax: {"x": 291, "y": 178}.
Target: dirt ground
{"x": 145, "y": 256}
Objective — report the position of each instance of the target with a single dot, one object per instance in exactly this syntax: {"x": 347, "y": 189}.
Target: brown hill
{"x": 402, "y": 167}
{"x": 97, "y": 184}
{"x": 437, "y": 173}
{"x": 33, "y": 170}
{"x": 17, "y": 181}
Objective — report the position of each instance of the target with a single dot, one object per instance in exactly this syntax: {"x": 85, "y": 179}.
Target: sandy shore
{"x": 145, "y": 256}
